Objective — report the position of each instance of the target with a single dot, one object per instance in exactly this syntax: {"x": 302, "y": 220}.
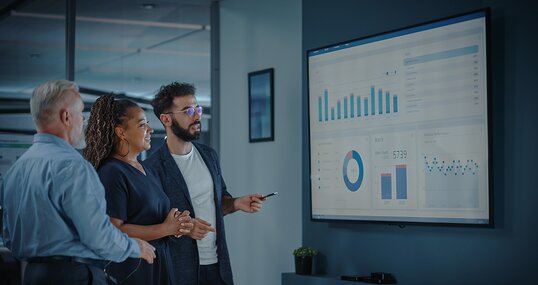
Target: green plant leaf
{"x": 304, "y": 251}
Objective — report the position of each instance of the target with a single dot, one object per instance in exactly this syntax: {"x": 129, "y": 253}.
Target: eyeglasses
{"x": 189, "y": 111}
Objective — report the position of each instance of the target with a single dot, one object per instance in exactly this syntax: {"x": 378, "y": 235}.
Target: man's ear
{"x": 166, "y": 120}
{"x": 65, "y": 117}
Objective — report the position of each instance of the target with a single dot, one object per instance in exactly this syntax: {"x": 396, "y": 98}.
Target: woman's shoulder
{"x": 111, "y": 166}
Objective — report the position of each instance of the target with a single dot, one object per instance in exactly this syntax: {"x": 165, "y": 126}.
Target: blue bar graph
{"x": 380, "y": 103}
{"x": 326, "y": 105}
{"x": 365, "y": 105}
{"x": 401, "y": 181}
{"x": 386, "y": 186}
{"x": 319, "y": 109}
{"x": 345, "y": 107}
{"x": 372, "y": 98}
{"x": 358, "y": 106}
{"x": 387, "y": 101}
{"x": 352, "y": 105}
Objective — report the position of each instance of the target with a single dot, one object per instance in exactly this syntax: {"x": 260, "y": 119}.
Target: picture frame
{"x": 261, "y": 105}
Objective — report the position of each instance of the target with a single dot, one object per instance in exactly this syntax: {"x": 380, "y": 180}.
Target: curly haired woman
{"x": 118, "y": 131}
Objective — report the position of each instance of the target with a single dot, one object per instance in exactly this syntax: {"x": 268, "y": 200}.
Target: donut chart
{"x": 353, "y": 186}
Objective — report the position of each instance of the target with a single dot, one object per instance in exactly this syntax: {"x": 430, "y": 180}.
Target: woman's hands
{"x": 177, "y": 223}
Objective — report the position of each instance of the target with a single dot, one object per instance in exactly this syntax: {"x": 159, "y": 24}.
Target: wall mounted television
{"x": 400, "y": 125}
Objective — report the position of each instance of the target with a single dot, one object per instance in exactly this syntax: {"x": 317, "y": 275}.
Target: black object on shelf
{"x": 375, "y": 277}
{"x": 303, "y": 265}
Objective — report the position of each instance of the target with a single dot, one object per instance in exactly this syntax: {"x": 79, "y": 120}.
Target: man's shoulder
{"x": 62, "y": 166}
{"x": 156, "y": 158}
{"x": 53, "y": 156}
{"x": 73, "y": 166}
{"x": 204, "y": 148}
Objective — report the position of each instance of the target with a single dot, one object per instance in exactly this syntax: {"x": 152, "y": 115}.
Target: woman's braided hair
{"x": 105, "y": 115}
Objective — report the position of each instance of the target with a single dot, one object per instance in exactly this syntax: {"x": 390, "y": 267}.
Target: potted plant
{"x": 303, "y": 260}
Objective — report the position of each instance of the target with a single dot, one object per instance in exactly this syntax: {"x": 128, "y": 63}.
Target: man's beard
{"x": 79, "y": 142}
{"x": 184, "y": 133}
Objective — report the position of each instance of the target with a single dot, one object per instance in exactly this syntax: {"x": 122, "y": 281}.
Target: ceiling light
{"x": 34, "y": 56}
{"x": 148, "y": 6}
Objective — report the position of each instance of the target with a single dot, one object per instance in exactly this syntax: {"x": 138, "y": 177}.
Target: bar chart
{"x": 401, "y": 183}
{"x": 398, "y": 126}
{"x": 353, "y": 106}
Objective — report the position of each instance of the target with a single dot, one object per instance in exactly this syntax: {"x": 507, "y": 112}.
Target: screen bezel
{"x": 489, "y": 107}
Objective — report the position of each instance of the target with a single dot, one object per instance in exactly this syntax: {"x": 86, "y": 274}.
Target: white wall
{"x": 256, "y": 35}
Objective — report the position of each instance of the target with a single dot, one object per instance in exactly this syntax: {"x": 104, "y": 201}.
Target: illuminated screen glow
{"x": 398, "y": 125}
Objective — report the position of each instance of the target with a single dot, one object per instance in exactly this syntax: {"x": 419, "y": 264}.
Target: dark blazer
{"x": 184, "y": 250}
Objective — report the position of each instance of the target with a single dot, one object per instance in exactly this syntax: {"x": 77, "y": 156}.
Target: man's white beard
{"x": 80, "y": 143}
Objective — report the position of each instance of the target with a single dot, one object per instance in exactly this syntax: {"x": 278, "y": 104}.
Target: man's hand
{"x": 249, "y": 203}
{"x": 147, "y": 251}
{"x": 201, "y": 229}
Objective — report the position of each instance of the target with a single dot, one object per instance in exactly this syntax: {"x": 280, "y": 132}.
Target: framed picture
{"x": 261, "y": 105}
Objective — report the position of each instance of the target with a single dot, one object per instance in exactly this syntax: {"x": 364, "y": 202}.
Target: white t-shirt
{"x": 200, "y": 185}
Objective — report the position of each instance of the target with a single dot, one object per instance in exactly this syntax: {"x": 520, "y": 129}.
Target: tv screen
{"x": 399, "y": 125}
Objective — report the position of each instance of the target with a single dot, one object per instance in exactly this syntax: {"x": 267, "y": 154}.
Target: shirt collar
{"x": 48, "y": 138}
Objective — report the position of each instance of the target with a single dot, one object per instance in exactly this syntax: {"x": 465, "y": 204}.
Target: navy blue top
{"x": 137, "y": 199}
{"x": 131, "y": 196}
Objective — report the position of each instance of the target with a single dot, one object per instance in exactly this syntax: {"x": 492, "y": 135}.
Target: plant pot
{"x": 303, "y": 265}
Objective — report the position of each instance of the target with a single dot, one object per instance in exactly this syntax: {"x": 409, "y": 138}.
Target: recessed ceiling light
{"x": 148, "y": 6}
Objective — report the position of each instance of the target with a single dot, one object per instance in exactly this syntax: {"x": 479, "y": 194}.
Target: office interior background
{"x": 131, "y": 50}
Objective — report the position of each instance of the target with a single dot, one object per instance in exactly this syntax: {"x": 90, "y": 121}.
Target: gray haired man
{"x": 54, "y": 205}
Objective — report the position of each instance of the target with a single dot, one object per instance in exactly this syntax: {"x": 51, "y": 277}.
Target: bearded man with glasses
{"x": 191, "y": 177}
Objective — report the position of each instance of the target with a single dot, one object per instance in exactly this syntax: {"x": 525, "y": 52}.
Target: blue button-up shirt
{"x": 54, "y": 204}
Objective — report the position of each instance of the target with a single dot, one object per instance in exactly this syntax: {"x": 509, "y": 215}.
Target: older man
{"x": 54, "y": 205}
